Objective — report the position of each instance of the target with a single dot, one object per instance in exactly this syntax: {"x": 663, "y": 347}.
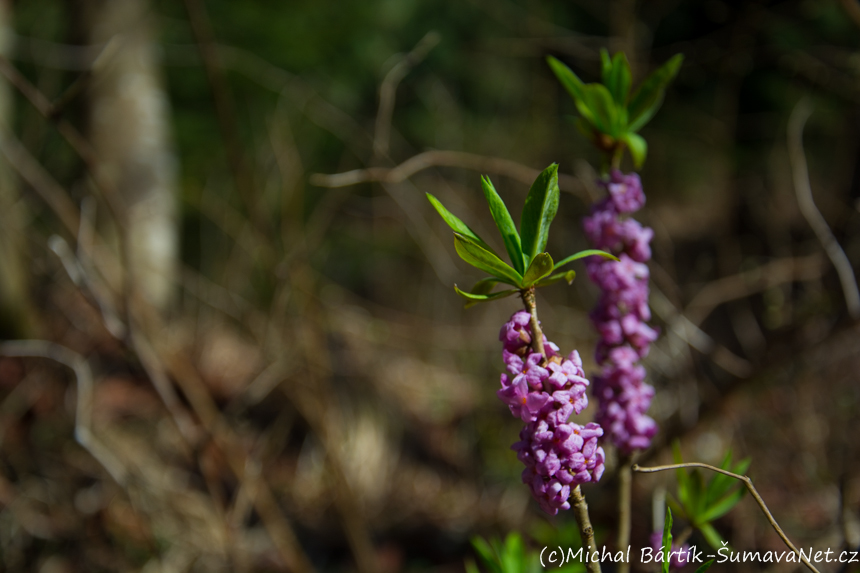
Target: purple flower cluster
{"x": 558, "y": 454}
{"x": 622, "y": 312}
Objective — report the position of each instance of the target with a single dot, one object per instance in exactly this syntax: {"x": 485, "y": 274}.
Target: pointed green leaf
{"x": 705, "y": 566}
{"x": 603, "y": 110}
{"x": 473, "y": 299}
{"x": 667, "y": 540}
{"x": 456, "y": 224}
{"x": 484, "y": 286}
{"x": 569, "y": 276}
{"x": 582, "y": 255}
{"x": 648, "y": 97}
{"x": 487, "y": 261}
{"x": 504, "y": 223}
{"x": 723, "y": 506}
{"x": 471, "y": 567}
{"x": 720, "y": 483}
{"x": 540, "y": 267}
{"x": 538, "y": 212}
{"x": 605, "y": 67}
{"x": 637, "y": 146}
{"x": 619, "y": 80}
{"x": 485, "y": 552}
{"x": 711, "y": 536}
{"x": 573, "y": 85}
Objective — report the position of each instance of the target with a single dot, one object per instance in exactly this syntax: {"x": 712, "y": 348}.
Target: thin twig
{"x": 624, "y": 503}
{"x": 443, "y": 158}
{"x": 388, "y": 90}
{"x": 749, "y": 485}
{"x": 803, "y": 190}
{"x": 528, "y": 296}
{"x": 580, "y": 512}
{"x": 83, "y": 415}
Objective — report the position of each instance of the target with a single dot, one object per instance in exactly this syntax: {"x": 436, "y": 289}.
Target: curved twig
{"x": 749, "y": 485}
{"x": 83, "y": 415}
{"x": 803, "y": 190}
{"x": 443, "y": 158}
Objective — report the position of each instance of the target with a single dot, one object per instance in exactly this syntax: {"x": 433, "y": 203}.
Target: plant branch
{"x": 803, "y": 190}
{"x": 388, "y": 90}
{"x": 580, "y": 512}
{"x": 624, "y": 486}
{"x": 443, "y": 158}
{"x": 537, "y": 334}
{"x": 749, "y": 485}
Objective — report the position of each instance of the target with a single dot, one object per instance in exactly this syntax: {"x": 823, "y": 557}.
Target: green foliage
{"x": 530, "y": 265}
{"x": 667, "y": 540}
{"x": 702, "y": 502}
{"x": 610, "y": 115}
{"x": 512, "y": 556}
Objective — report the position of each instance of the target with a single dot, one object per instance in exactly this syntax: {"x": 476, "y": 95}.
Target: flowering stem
{"x": 580, "y": 508}
{"x": 537, "y": 334}
{"x": 625, "y": 474}
{"x": 586, "y": 531}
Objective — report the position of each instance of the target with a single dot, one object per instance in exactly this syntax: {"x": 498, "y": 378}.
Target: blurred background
{"x": 232, "y": 342}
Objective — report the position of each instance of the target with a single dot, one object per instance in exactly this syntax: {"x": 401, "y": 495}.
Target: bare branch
{"x": 388, "y": 90}
{"x": 749, "y": 485}
{"x": 442, "y": 158}
{"x": 83, "y": 416}
{"x": 803, "y": 190}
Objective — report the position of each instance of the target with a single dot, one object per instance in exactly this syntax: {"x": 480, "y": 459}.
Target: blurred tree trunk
{"x": 129, "y": 129}
{"x": 15, "y": 320}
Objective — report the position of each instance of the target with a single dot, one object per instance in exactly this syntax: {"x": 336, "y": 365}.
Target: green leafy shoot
{"x": 705, "y": 566}
{"x": 703, "y": 502}
{"x": 610, "y": 115}
{"x": 531, "y": 266}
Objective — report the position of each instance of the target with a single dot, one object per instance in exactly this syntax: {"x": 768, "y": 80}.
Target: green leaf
{"x": 540, "y": 267}
{"x": 569, "y": 276}
{"x": 705, "y": 566}
{"x": 637, "y": 146}
{"x": 538, "y": 212}
{"x": 486, "y": 553}
{"x": 456, "y": 224}
{"x": 619, "y": 80}
{"x": 471, "y": 567}
{"x": 487, "y": 261}
{"x": 723, "y": 506}
{"x": 603, "y": 110}
{"x": 573, "y": 85}
{"x": 504, "y": 223}
{"x": 582, "y": 255}
{"x": 474, "y": 299}
{"x": 648, "y": 97}
{"x": 711, "y": 536}
{"x": 605, "y": 66}
{"x": 484, "y": 286}
{"x": 667, "y": 540}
